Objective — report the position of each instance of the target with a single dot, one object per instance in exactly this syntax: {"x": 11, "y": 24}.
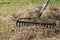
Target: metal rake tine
{"x": 22, "y": 24}
{"x": 46, "y": 26}
{"x": 19, "y": 24}
{"x": 41, "y": 24}
{"x": 35, "y": 24}
{"x": 16, "y": 24}
{"x": 27, "y": 24}
{"x": 32, "y": 24}
{"x": 49, "y": 26}
{"x": 53, "y": 26}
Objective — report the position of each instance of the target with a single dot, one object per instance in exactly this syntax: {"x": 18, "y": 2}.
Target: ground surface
{"x": 9, "y": 13}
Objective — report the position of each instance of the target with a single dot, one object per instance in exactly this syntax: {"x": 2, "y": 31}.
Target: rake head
{"x": 20, "y": 23}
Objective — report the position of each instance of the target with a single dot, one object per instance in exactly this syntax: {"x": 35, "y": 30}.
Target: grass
{"x": 55, "y": 2}
{"x": 16, "y": 5}
{"x": 4, "y": 28}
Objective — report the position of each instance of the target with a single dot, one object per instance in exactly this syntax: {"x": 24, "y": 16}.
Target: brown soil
{"x": 51, "y": 14}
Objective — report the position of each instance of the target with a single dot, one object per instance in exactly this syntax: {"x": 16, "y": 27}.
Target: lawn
{"x": 9, "y": 7}
{"x": 15, "y": 5}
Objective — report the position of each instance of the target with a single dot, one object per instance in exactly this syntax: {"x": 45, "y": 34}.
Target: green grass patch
{"x": 55, "y": 2}
{"x": 4, "y": 28}
{"x": 15, "y": 5}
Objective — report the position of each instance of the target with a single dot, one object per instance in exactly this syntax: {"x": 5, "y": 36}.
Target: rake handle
{"x": 43, "y": 8}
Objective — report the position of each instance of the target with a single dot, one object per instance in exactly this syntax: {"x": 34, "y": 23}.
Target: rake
{"x": 28, "y": 22}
